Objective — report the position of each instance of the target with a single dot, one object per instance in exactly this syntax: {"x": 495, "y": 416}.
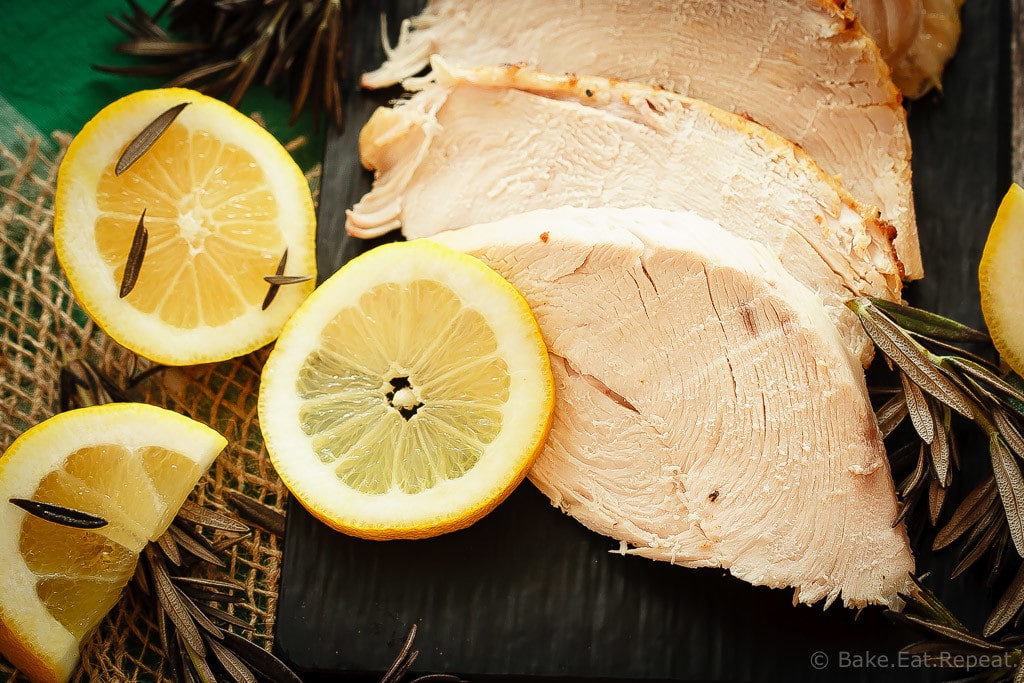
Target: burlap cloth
{"x": 42, "y": 329}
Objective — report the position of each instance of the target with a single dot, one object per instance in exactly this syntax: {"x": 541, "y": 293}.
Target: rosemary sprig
{"x": 938, "y": 378}
{"x": 951, "y": 644}
{"x": 222, "y": 47}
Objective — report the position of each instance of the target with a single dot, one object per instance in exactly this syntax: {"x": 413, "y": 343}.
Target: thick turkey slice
{"x": 707, "y": 414}
{"x": 490, "y": 142}
{"x": 804, "y": 68}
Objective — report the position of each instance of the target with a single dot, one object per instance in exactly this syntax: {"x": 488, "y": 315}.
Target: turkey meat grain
{"x": 804, "y": 68}
{"x": 481, "y": 144}
{"x": 708, "y": 414}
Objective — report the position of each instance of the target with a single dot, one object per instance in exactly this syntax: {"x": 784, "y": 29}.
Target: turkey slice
{"x": 707, "y": 412}
{"x": 804, "y": 68}
{"x": 486, "y": 143}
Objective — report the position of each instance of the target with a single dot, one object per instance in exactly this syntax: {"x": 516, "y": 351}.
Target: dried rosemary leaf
{"x": 238, "y": 671}
{"x": 225, "y": 543}
{"x": 139, "y": 577}
{"x": 169, "y": 547}
{"x": 195, "y": 544}
{"x": 997, "y": 560}
{"x": 200, "y": 617}
{"x": 907, "y": 504}
{"x": 146, "y": 47}
{"x": 58, "y": 514}
{"x": 891, "y": 414}
{"x": 104, "y": 388}
{"x": 980, "y": 372}
{"x": 955, "y": 634}
{"x": 282, "y": 280}
{"x": 208, "y": 583}
{"x": 133, "y": 266}
{"x": 170, "y": 600}
{"x": 257, "y": 513}
{"x": 936, "y": 498}
{"x": 147, "y": 138}
{"x": 1011, "y": 489}
{"x": 226, "y": 617}
{"x": 169, "y": 643}
{"x": 1008, "y": 431}
{"x": 937, "y": 649}
{"x": 273, "y": 289}
{"x": 930, "y": 324}
{"x": 200, "y": 73}
{"x": 923, "y": 599}
{"x": 972, "y": 553}
{"x": 206, "y": 595}
{"x": 915, "y": 478}
{"x": 918, "y": 409}
{"x": 403, "y": 661}
{"x": 199, "y": 664}
{"x": 259, "y": 660}
{"x": 967, "y": 513}
{"x": 911, "y": 358}
{"x": 1008, "y": 606}
{"x": 940, "y": 448}
{"x": 198, "y": 514}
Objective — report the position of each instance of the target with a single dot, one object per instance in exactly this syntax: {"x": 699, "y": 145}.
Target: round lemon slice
{"x": 1002, "y": 262}
{"x": 131, "y": 464}
{"x": 221, "y": 202}
{"x": 408, "y": 395}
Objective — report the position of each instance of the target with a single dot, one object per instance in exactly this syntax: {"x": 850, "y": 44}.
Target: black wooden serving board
{"x": 529, "y": 592}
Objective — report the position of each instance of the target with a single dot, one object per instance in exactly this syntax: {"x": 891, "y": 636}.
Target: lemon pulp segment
{"x": 80, "y": 573}
{"x": 131, "y": 464}
{"x": 405, "y": 390}
{"x": 212, "y": 223}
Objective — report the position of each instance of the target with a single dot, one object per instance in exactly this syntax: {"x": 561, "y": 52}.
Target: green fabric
{"x": 46, "y": 74}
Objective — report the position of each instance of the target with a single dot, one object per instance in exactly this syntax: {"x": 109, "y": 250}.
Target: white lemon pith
{"x": 223, "y": 200}
{"x": 408, "y": 395}
{"x": 132, "y": 464}
{"x": 1002, "y": 263}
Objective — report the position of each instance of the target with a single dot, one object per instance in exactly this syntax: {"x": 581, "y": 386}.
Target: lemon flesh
{"x": 408, "y": 395}
{"x": 222, "y": 202}
{"x": 132, "y": 464}
{"x": 999, "y": 278}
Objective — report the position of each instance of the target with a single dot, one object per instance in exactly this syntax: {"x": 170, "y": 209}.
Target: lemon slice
{"x": 132, "y": 464}
{"x": 408, "y": 395}
{"x": 1002, "y": 262}
{"x": 223, "y": 201}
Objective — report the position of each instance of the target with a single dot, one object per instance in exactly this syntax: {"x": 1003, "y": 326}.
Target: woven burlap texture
{"x": 43, "y": 328}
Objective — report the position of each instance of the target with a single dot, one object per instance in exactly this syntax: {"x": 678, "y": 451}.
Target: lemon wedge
{"x": 131, "y": 464}
{"x": 408, "y": 395}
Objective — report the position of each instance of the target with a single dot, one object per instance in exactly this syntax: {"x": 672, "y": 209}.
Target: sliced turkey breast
{"x": 804, "y": 68}
{"x": 708, "y": 414}
{"x": 487, "y": 143}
